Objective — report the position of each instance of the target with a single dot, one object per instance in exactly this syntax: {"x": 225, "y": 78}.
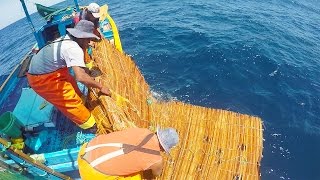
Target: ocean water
{"x": 255, "y": 57}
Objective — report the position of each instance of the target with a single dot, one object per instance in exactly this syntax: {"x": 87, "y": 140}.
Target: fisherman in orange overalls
{"x": 48, "y": 74}
{"x": 125, "y": 154}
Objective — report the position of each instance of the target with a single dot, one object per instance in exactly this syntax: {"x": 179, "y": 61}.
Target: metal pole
{"x": 38, "y": 39}
{"x": 77, "y": 5}
{"x": 27, "y": 15}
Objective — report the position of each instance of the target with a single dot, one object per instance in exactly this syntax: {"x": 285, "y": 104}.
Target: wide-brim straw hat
{"x": 168, "y": 138}
{"x": 84, "y": 29}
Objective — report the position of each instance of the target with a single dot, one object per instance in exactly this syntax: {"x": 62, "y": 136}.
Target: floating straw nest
{"x": 214, "y": 144}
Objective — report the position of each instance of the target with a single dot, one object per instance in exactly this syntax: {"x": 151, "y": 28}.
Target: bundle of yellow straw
{"x": 214, "y": 144}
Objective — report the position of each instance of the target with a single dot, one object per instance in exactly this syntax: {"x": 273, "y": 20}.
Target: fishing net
{"x": 214, "y": 144}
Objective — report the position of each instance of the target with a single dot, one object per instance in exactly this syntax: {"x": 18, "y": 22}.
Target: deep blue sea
{"x": 258, "y": 57}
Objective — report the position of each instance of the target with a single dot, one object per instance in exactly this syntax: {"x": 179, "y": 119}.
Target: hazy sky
{"x": 11, "y": 10}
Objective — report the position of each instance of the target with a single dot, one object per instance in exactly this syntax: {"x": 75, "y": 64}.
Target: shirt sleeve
{"x": 74, "y": 56}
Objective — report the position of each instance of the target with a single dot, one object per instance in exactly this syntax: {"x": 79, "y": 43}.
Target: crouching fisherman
{"x": 48, "y": 74}
{"x": 125, "y": 154}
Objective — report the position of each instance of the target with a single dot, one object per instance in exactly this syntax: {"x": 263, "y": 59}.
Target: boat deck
{"x": 63, "y": 136}
{"x": 59, "y": 145}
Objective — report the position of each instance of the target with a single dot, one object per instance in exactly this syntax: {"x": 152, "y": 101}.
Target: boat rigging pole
{"x": 29, "y": 20}
{"x": 77, "y": 5}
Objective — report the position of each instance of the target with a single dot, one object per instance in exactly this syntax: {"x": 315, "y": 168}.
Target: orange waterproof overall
{"x": 60, "y": 89}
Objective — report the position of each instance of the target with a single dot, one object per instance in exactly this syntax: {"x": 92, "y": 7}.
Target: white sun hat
{"x": 168, "y": 138}
{"x": 94, "y": 8}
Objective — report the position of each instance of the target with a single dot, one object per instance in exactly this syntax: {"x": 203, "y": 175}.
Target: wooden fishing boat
{"x": 38, "y": 141}
{"x": 29, "y": 124}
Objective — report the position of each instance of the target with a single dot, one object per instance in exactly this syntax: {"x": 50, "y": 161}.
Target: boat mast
{"x": 77, "y": 5}
{"x": 29, "y": 19}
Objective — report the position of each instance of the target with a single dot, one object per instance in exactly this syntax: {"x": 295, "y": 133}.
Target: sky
{"x": 12, "y": 11}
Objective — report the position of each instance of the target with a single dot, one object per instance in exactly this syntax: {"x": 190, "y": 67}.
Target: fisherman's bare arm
{"x": 157, "y": 168}
{"x": 83, "y": 77}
